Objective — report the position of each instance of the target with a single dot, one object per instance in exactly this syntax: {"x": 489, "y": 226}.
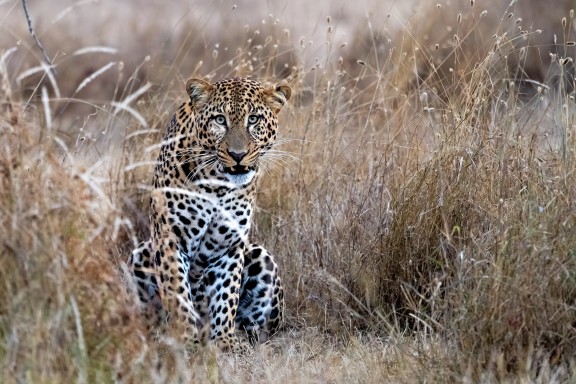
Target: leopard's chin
{"x": 240, "y": 178}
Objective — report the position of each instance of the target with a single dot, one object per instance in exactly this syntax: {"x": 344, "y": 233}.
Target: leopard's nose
{"x": 237, "y": 156}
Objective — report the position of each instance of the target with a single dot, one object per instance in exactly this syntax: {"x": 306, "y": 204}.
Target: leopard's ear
{"x": 278, "y": 96}
{"x": 199, "y": 91}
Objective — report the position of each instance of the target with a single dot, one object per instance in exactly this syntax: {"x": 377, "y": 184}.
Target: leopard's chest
{"x": 214, "y": 228}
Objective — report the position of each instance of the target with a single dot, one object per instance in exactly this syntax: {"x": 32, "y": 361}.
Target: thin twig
{"x": 38, "y": 43}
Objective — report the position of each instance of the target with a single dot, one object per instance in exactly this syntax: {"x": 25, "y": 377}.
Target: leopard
{"x": 198, "y": 273}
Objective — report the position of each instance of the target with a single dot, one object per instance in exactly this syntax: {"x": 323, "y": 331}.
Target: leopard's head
{"x": 236, "y": 122}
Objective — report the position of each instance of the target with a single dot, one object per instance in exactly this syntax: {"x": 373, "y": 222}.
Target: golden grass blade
{"x": 94, "y": 76}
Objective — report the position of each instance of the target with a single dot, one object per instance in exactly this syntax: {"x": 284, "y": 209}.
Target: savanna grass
{"x": 424, "y": 231}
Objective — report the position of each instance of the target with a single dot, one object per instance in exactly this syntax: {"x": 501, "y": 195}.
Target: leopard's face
{"x": 236, "y": 123}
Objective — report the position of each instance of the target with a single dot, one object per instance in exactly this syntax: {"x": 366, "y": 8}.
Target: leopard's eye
{"x": 253, "y": 119}
{"x": 220, "y": 120}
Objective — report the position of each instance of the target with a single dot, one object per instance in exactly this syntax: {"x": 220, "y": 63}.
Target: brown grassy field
{"x": 423, "y": 216}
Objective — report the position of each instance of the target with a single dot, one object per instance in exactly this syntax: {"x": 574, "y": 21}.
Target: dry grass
{"x": 420, "y": 238}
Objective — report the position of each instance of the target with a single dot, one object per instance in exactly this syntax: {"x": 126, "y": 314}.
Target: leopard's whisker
{"x": 207, "y": 163}
{"x": 270, "y": 164}
{"x": 289, "y": 140}
{"x": 285, "y": 159}
{"x": 282, "y": 154}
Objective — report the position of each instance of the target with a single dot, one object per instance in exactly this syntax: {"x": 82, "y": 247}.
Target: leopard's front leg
{"x": 223, "y": 279}
{"x": 172, "y": 251}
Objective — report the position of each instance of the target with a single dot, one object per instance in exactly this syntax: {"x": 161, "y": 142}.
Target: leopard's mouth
{"x": 237, "y": 170}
